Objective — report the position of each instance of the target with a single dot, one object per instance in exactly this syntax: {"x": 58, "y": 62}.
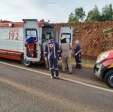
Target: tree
{"x": 79, "y": 13}
{"x": 72, "y": 18}
{"x": 94, "y": 15}
{"x": 107, "y": 12}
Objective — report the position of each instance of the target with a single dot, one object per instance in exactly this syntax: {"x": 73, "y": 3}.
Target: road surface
{"x": 25, "y": 90}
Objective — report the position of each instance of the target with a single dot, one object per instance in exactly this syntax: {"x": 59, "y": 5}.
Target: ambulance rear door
{"x": 67, "y": 32}
{"x": 32, "y": 40}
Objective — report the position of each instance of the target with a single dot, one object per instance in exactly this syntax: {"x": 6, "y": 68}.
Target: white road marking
{"x": 67, "y": 79}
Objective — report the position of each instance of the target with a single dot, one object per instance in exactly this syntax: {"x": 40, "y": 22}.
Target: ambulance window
{"x": 31, "y": 33}
{"x": 67, "y": 36}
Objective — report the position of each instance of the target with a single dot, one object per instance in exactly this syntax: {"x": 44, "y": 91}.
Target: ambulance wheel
{"x": 26, "y": 62}
{"x": 109, "y": 79}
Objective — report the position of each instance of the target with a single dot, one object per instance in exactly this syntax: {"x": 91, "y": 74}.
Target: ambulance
{"x": 23, "y": 41}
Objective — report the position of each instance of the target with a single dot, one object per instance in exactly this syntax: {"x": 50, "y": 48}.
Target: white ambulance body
{"x": 21, "y": 41}
{"x": 11, "y": 41}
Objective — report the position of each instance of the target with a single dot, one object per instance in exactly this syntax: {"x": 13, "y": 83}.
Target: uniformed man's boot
{"x": 57, "y": 74}
{"x": 52, "y": 74}
{"x": 79, "y": 66}
{"x": 76, "y": 65}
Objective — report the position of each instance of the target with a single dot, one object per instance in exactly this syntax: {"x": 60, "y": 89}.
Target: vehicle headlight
{"x": 102, "y": 57}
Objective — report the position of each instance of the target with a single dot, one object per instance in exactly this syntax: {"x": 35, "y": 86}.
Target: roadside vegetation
{"x": 79, "y": 15}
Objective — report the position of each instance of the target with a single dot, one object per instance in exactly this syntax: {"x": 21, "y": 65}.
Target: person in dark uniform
{"x": 77, "y": 54}
{"x": 52, "y": 53}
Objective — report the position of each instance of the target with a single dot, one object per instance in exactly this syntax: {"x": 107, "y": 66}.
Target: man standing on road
{"x": 52, "y": 53}
{"x": 66, "y": 55}
{"x": 77, "y": 54}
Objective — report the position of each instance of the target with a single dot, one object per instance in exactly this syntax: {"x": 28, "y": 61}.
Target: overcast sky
{"x": 53, "y": 10}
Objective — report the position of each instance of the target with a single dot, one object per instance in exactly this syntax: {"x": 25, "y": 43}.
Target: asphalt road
{"x": 27, "y": 91}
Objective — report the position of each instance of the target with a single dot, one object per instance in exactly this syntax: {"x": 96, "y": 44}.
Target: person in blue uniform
{"x": 52, "y": 53}
{"x": 77, "y": 53}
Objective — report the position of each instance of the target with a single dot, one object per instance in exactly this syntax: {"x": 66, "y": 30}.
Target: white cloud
{"x": 16, "y": 9}
{"x": 53, "y": 10}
